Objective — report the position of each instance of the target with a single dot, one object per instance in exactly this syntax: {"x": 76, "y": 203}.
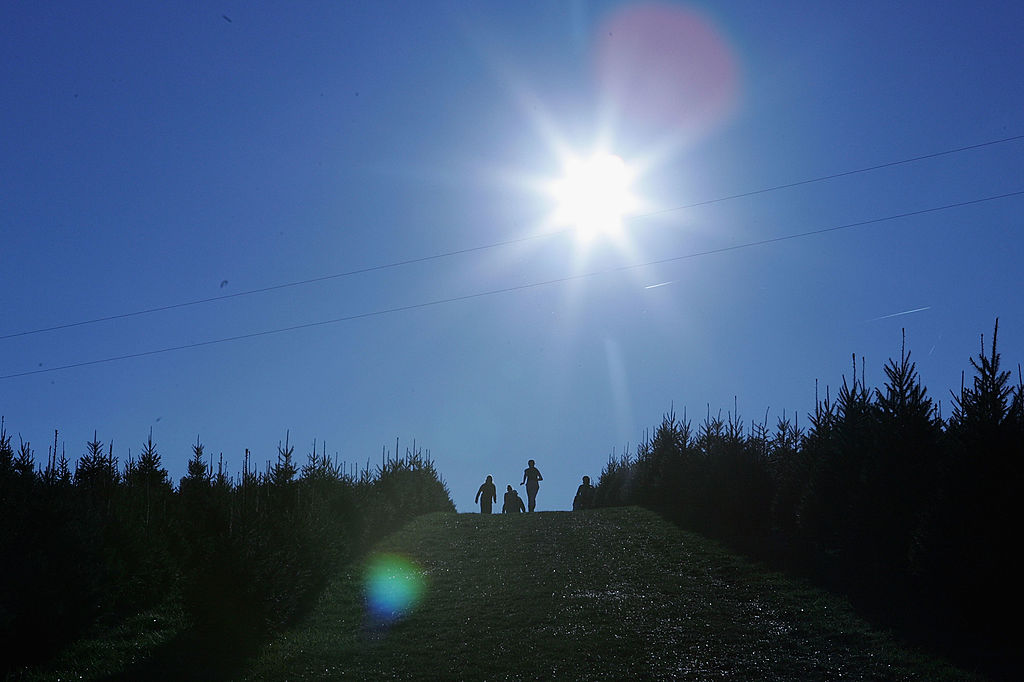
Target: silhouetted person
{"x": 486, "y": 495}
{"x": 532, "y": 479}
{"x": 507, "y": 504}
{"x": 513, "y": 503}
{"x": 584, "y": 495}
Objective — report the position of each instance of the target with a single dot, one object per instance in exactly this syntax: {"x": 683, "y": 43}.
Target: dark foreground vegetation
{"x": 608, "y": 594}
{"x": 917, "y": 518}
{"x": 232, "y": 558}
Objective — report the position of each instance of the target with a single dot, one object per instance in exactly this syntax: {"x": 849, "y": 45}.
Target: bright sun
{"x": 594, "y": 195}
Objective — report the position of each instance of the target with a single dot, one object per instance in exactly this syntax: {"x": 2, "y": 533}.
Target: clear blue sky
{"x": 155, "y": 154}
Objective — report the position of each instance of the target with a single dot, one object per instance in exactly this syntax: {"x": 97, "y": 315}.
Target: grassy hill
{"x": 604, "y": 594}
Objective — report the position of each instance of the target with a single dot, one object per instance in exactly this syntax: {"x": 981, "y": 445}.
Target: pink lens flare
{"x": 666, "y": 66}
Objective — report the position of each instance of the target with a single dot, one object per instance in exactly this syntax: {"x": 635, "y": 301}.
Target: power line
{"x": 522, "y": 287}
{"x": 509, "y": 242}
{"x": 844, "y": 174}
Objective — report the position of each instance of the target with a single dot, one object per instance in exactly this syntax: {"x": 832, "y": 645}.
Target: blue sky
{"x": 152, "y": 155}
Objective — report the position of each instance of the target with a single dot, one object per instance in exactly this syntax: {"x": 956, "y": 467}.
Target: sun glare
{"x": 594, "y": 195}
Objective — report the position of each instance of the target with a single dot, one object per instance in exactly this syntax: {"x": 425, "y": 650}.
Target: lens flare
{"x": 668, "y": 66}
{"x": 394, "y": 585}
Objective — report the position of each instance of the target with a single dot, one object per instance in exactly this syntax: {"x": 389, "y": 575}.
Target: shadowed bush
{"x": 911, "y": 515}
{"x": 243, "y": 558}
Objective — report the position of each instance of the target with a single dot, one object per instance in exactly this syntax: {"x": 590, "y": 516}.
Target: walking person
{"x": 486, "y": 495}
{"x": 532, "y": 479}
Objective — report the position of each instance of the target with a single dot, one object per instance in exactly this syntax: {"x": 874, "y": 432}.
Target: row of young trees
{"x": 913, "y": 515}
{"x": 243, "y": 553}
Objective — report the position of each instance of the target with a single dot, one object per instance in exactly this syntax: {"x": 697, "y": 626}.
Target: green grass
{"x": 606, "y": 594}
{"x": 106, "y": 650}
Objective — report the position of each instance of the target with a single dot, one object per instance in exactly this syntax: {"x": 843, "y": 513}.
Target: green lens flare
{"x": 394, "y": 585}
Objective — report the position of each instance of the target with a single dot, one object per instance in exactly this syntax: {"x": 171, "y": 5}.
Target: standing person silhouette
{"x": 532, "y": 479}
{"x": 486, "y": 495}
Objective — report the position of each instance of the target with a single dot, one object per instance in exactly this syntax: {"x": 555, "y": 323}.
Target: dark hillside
{"x": 603, "y": 594}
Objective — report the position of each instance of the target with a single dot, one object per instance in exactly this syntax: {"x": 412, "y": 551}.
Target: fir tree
{"x": 6, "y": 452}
{"x": 905, "y": 400}
{"x": 95, "y": 471}
{"x": 984, "y": 407}
{"x": 25, "y": 463}
{"x": 284, "y": 470}
{"x": 149, "y": 474}
{"x": 198, "y": 475}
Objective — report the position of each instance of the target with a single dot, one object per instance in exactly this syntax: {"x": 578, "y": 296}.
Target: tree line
{"x": 915, "y": 516}
{"x": 242, "y": 554}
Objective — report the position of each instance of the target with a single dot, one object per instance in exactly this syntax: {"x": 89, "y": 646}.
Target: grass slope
{"x": 604, "y": 594}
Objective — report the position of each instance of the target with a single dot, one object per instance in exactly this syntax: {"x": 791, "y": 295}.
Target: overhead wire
{"x": 843, "y": 174}
{"x": 509, "y": 242}
{"x": 522, "y": 287}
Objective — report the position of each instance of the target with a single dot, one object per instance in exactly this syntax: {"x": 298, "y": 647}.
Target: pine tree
{"x": 6, "y": 451}
{"x": 63, "y": 469}
{"x": 284, "y": 470}
{"x": 983, "y": 408}
{"x": 898, "y": 476}
{"x": 149, "y": 473}
{"x": 96, "y": 472}
{"x": 905, "y": 400}
{"x": 980, "y": 494}
{"x": 790, "y": 469}
{"x": 148, "y": 484}
{"x": 198, "y": 475}
{"x": 25, "y": 463}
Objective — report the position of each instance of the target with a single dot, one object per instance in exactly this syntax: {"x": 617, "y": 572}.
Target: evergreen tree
{"x": 6, "y": 451}
{"x": 96, "y": 473}
{"x": 149, "y": 473}
{"x": 790, "y": 470}
{"x": 980, "y": 495}
{"x": 63, "y": 475}
{"x": 198, "y": 475}
{"x": 148, "y": 485}
{"x": 284, "y": 470}
{"x": 898, "y": 476}
{"x": 25, "y": 463}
